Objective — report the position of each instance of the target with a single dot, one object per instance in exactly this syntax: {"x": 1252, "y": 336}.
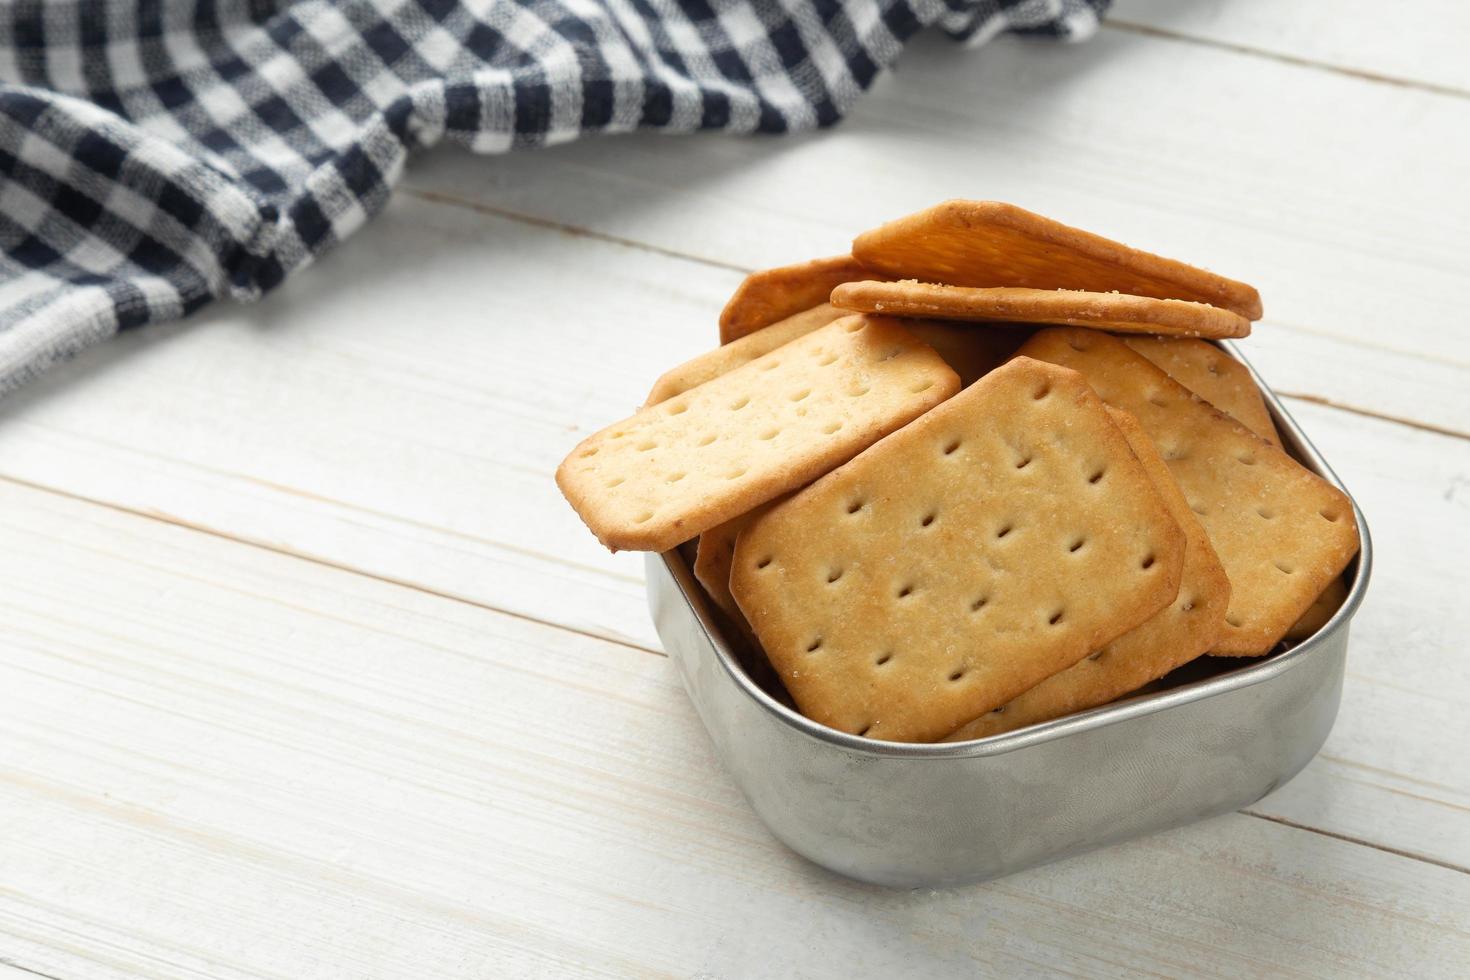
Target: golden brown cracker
{"x": 990, "y": 243}
{"x": 938, "y": 574}
{"x": 1282, "y": 532}
{"x": 1214, "y": 375}
{"x": 971, "y": 351}
{"x": 770, "y": 295}
{"x": 1115, "y": 312}
{"x": 1319, "y": 612}
{"x": 716, "y": 552}
{"x": 1175, "y": 635}
{"x": 722, "y": 360}
{"x": 681, "y": 467}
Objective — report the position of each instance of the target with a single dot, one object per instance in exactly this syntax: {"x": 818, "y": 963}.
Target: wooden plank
{"x": 1408, "y": 687}
{"x": 216, "y": 761}
{"x": 323, "y": 423}
{"x": 1234, "y": 162}
{"x": 1421, "y": 43}
{"x": 403, "y": 418}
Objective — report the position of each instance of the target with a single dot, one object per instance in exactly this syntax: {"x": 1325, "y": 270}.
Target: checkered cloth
{"x": 157, "y": 154}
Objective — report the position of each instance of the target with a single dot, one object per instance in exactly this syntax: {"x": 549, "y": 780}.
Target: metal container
{"x": 1221, "y": 734}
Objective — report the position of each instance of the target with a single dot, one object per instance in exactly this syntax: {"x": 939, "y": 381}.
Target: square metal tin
{"x": 911, "y": 815}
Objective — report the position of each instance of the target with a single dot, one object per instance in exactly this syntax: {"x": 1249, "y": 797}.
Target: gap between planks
{"x": 7, "y": 962}
{"x": 179, "y": 522}
{"x": 479, "y": 207}
{"x": 1349, "y": 839}
{"x": 523, "y": 617}
{"x": 1433, "y": 88}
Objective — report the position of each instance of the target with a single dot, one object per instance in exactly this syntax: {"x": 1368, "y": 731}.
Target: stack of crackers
{"x": 983, "y": 472}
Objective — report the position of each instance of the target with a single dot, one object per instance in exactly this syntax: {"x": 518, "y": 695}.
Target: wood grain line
{"x": 441, "y": 197}
{"x": 335, "y": 502}
{"x": 7, "y": 961}
{"x": 164, "y": 518}
{"x": 1370, "y": 413}
{"x": 1132, "y": 27}
{"x": 1349, "y": 839}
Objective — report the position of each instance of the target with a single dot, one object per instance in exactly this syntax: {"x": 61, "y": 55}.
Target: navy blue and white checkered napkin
{"x": 156, "y": 154}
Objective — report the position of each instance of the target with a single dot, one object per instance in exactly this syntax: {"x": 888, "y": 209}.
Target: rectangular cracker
{"x": 991, "y": 243}
{"x": 1282, "y": 532}
{"x": 970, "y": 350}
{"x": 1113, "y": 312}
{"x": 934, "y": 577}
{"x": 1175, "y": 635}
{"x": 678, "y": 468}
{"x": 715, "y": 555}
{"x": 1215, "y": 376}
{"x": 770, "y": 295}
{"x": 722, "y": 360}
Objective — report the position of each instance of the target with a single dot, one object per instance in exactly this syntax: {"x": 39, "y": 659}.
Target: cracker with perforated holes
{"x": 1215, "y": 376}
{"x": 937, "y": 575}
{"x": 1282, "y": 532}
{"x": 971, "y": 351}
{"x": 990, "y": 243}
{"x": 771, "y": 295}
{"x": 1175, "y": 635}
{"x": 715, "y": 555}
{"x": 681, "y": 467}
{"x": 1115, "y": 312}
{"x": 722, "y": 360}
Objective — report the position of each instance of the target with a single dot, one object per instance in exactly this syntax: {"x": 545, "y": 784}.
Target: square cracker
{"x": 1115, "y": 312}
{"x": 722, "y": 360}
{"x": 770, "y": 295}
{"x": 1215, "y": 376}
{"x": 1282, "y": 532}
{"x": 1175, "y": 635}
{"x": 990, "y": 243}
{"x": 678, "y": 468}
{"x": 935, "y": 576}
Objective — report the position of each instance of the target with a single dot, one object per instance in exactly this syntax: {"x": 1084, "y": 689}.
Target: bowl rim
{"x": 1250, "y": 673}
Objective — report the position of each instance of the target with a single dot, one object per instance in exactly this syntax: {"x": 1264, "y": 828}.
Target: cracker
{"x": 1100, "y": 311}
{"x": 934, "y": 577}
{"x": 1282, "y": 532}
{"x": 988, "y": 243}
{"x": 1183, "y": 630}
{"x": 770, "y": 295}
{"x": 1215, "y": 376}
{"x": 716, "y": 552}
{"x": 1319, "y": 612}
{"x": 970, "y": 351}
{"x": 678, "y": 468}
{"x": 722, "y": 360}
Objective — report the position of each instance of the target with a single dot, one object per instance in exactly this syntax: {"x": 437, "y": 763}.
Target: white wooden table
{"x": 307, "y": 671}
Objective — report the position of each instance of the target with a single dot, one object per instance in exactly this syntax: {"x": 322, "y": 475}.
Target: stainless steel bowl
{"x": 1221, "y": 734}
